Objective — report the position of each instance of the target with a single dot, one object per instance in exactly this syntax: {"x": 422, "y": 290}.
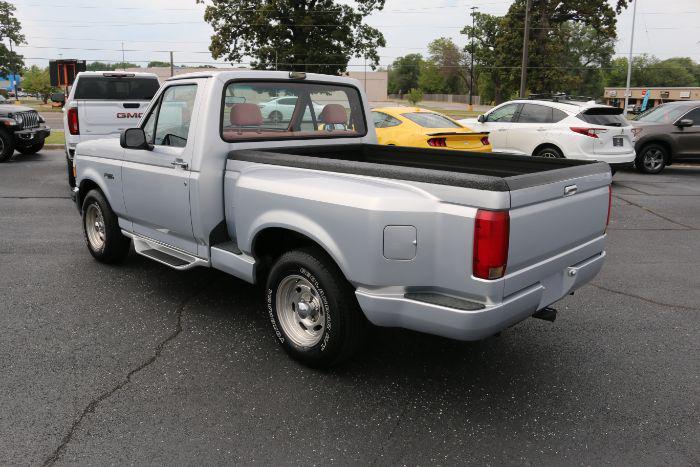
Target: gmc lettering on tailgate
{"x": 129, "y": 114}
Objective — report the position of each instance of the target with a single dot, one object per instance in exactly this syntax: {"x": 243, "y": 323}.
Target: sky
{"x": 148, "y": 29}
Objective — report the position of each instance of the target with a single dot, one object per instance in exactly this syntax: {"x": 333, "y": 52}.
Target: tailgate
{"x": 614, "y": 141}
{"x": 109, "y": 117}
{"x": 555, "y": 226}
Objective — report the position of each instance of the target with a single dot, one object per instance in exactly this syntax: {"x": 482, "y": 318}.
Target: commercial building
{"x": 616, "y": 96}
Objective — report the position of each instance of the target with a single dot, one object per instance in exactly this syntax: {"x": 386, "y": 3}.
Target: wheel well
{"x": 85, "y": 187}
{"x": 547, "y": 145}
{"x": 271, "y": 243}
{"x": 665, "y": 145}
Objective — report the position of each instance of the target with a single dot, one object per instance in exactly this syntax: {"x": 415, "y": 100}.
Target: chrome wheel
{"x": 300, "y": 311}
{"x": 549, "y": 154}
{"x": 95, "y": 227}
{"x": 653, "y": 159}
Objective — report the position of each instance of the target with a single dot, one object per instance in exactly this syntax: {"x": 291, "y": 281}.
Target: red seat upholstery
{"x": 333, "y": 114}
{"x": 246, "y": 115}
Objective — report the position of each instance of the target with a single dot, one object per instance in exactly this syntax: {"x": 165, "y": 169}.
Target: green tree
{"x": 37, "y": 81}
{"x": 488, "y": 74}
{"x": 10, "y": 29}
{"x": 404, "y": 73}
{"x": 102, "y": 66}
{"x": 552, "y": 22}
{"x": 452, "y": 62}
{"x": 301, "y": 35}
{"x": 414, "y": 96}
{"x": 431, "y": 80}
{"x": 649, "y": 71}
{"x": 158, "y": 64}
{"x": 570, "y": 41}
{"x": 99, "y": 66}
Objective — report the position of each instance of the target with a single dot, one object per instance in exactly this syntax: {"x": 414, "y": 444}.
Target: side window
{"x": 382, "y": 120}
{"x": 558, "y": 115}
{"x": 533, "y": 113}
{"x": 174, "y": 115}
{"x": 150, "y": 125}
{"x": 693, "y": 115}
{"x": 503, "y": 114}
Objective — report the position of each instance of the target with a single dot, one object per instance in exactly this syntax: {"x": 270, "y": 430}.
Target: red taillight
{"x": 607, "y": 221}
{"x": 485, "y": 141}
{"x": 592, "y": 132}
{"x": 73, "y": 126}
{"x": 491, "y": 231}
{"x": 437, "y": 142}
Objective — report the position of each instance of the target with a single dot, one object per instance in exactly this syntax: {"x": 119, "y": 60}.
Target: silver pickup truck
{"x": 339, "y": 230}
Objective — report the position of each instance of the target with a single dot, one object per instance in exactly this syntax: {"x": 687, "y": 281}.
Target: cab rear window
{"x": 275, "y": 110}
{"x": 116, "y": 88}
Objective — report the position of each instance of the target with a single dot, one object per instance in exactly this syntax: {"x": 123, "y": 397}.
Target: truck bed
{"x": 493, "y": 172}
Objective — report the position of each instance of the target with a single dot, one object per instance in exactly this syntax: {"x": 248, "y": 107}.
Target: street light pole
{"x": 471, "y": 64}
{"x": 629, "y": 60}
{"x": 14, "y": 73}
{"x": 526, "y": 44}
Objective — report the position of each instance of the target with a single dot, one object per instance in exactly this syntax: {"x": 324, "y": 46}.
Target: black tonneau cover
{"x": 483, "y": 171}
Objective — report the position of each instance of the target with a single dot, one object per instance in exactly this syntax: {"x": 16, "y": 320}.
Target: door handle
{"x": 541, "y": 129}
{"x": 179, "y": 163}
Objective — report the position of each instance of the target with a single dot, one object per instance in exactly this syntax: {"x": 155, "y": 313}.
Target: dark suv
{"x": 666, "y": 134}
{"x": 21, "y": 128}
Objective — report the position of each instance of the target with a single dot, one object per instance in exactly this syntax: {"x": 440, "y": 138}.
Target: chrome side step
{"x": 165, "y": 254}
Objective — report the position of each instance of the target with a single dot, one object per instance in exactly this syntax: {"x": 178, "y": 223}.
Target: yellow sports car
{"x": 416, "y": 127}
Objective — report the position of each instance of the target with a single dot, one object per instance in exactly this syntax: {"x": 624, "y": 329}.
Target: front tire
{"x": 313, "y": 310}
{"x": 103, "y": 236}
{"x": 33, "y": 149}
{"x": 651, "y": 159}
{"x": 7, "y": 145}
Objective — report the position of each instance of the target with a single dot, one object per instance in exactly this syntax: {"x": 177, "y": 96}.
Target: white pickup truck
{"x": 102, "y": 105}
{"x": 341, "y": 231}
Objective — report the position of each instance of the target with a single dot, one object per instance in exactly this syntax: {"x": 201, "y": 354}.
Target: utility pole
{"x": 14, "y": 74}
{"x": 172, "y": 65}
{"x": 365, "y": 79}
{"x": 471, "y": 64}
{"x": 629, "y": 60}
{"x": 123, "y": 60}
{"x": 526, "y": 44}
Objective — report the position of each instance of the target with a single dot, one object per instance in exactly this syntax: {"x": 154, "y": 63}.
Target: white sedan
{"x": 559, "y": 128}
{"x": 280, "y": 109}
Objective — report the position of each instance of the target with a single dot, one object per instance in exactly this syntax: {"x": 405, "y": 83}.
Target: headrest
{"x": 246, "y": 115}
{"x": 333, "y": 114}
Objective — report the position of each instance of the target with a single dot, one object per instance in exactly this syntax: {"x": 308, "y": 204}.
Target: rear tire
{"x": 103, "y": 236}
{"x": 275, "y": 116}
{"x": 7, "y": 145}
{"x": 33, "y": 149}
{"x": 549, "y": 152}
{"x": 313, "y": 310}
{"x": 651, "y": 159}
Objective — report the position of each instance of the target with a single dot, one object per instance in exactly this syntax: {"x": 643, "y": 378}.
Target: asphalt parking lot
{"x": 141, "y": 364}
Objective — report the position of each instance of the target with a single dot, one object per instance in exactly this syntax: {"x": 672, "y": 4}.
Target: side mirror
{"x": 686, "y": 122}
{"x": 58, "y": 97}
{"x": 134, "y": 138}
{"x": 481, "y": 118}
